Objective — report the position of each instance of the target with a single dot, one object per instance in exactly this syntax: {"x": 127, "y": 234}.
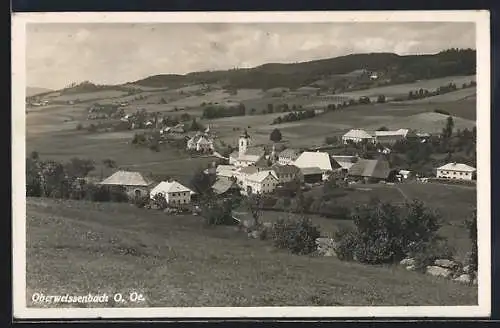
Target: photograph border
{"x": 480, "y": 17}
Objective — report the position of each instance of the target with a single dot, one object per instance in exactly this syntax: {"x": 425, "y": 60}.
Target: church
{"x": 246, "y": 155}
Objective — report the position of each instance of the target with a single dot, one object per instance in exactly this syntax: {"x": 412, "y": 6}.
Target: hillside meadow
{"x": 78, "y": 247}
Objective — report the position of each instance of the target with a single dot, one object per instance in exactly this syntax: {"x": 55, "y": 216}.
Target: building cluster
{"x": 252, "y": 170}
{"x": 382, "y": 137}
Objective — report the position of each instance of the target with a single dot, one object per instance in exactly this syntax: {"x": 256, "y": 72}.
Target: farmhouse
{"x": 356, "y": 136}
{"x": 390, "y": 137}
{"x": 321, "y": 160}
{"x": 345, "y": 161}
{"x": 227, "y": 171}
{"x": 288, "y": 156}
{"x": 311, "y": 174}
{"x": 286, "y": 173}
{"x": 246, "y": 155}
{"x": 201, "y": 143}
{"x": 261, "y": 182}
{"x": 370, "y": 170}
{"x": 225, "y": 186}
{"x": 135, "y": 183}
{"x": 456, "y": 171}
{"x": 175, "y": 193}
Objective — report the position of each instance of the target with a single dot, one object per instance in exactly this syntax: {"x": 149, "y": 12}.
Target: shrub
{"x": 217, "y": 212}
{"x": 346, "y": 241}
{"x": 159, "y": 201}
{"x": 385, "y": 233}
{"x": 298, "y": 236}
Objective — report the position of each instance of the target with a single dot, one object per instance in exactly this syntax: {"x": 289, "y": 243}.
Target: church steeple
{"x": 244, "y": 143}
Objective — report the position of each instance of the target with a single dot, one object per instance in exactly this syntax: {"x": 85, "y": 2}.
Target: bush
{"x": 217, "y": 212}
{"x": 386, "y": 233}
{"x": 346, "y": 241}
{"x": 159, "y": 201}
{"x": 298, "y": 236}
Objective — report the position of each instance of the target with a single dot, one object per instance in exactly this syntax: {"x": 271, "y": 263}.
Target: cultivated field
{"x": 78, "y": 247}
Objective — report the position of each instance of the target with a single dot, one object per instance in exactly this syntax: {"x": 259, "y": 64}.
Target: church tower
{"x": 244, "y": 143}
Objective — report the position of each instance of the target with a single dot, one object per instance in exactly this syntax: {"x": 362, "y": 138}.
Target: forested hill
{"x": 390, "y": 67}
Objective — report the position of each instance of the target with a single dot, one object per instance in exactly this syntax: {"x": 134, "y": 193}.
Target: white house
{"x": 356, "y": 136}
{"x": 175, "y": 193}
{"x": 201, "y": 143}
{"x": 288, "y": 156}
{"x": 317, "y": 159}
{"x": 456, "y": 171}
{"x": 261, "y": 182}
{"x": 246, "y": 155}
{"x": 390, "y": 137}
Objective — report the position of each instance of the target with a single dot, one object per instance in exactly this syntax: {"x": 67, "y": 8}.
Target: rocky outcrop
{"x": 438, "y": 271}
{"x": 326, "y": 247}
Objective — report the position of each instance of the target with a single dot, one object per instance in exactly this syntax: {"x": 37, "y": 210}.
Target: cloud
{"x": 118, "y": 53}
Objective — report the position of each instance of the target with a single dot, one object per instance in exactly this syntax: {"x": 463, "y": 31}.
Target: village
{"x": 322, "y": 182}
{"x": 252, "y": 170}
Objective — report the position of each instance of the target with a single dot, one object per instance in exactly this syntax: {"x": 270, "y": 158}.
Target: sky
{"x": 58, "y": 54}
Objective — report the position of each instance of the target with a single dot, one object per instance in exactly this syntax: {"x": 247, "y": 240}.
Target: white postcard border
{"x": 480, "y": 17}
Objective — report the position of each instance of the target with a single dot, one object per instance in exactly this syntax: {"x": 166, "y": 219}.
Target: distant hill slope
{"x": 33, "y": 91}
{"x": 392, "y": 67}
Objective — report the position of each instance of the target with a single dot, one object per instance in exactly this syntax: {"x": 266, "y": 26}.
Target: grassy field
{"x": 78, "y": 247}
{"x": 63, "y": 145}
{"x": 435, "y": 196}
{"x": 88, "y": 96}
{"x": 399, "y": 90}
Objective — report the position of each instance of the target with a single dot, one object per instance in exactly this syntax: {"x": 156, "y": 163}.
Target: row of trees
{"x": 48, "y": 178}
{"x": 216, "y": 112}
{"x": 294, "y": 116}
{"x": 424, "y": 93}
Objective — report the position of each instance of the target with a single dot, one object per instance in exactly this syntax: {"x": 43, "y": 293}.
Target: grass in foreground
{"x": 79, "y": 247}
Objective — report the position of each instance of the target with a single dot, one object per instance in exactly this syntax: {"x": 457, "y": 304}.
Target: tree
{"x": 78, "y": 168}
{"x": 275, "y": 135}
{"x": 195, "y": 126}
{"x": 471, "y": 225}
{"x": 448, "y": 130}
{"x": 109, "y": 163}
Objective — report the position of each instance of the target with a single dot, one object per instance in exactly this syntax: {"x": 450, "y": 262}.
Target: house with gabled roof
{"x": 174, "y": 193}
{"x": 261, "y": 182}
{"x": 287, "y": 173}
{"x": 288, "y": 156}
{"x": 321, "y": 160}
{"x": 356, "y": 136}
{"x": 370, "y": 170}
{"x": 390, "y": 137}
{"x": 135, "y": 183}
{"x": 456, "y": 171}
